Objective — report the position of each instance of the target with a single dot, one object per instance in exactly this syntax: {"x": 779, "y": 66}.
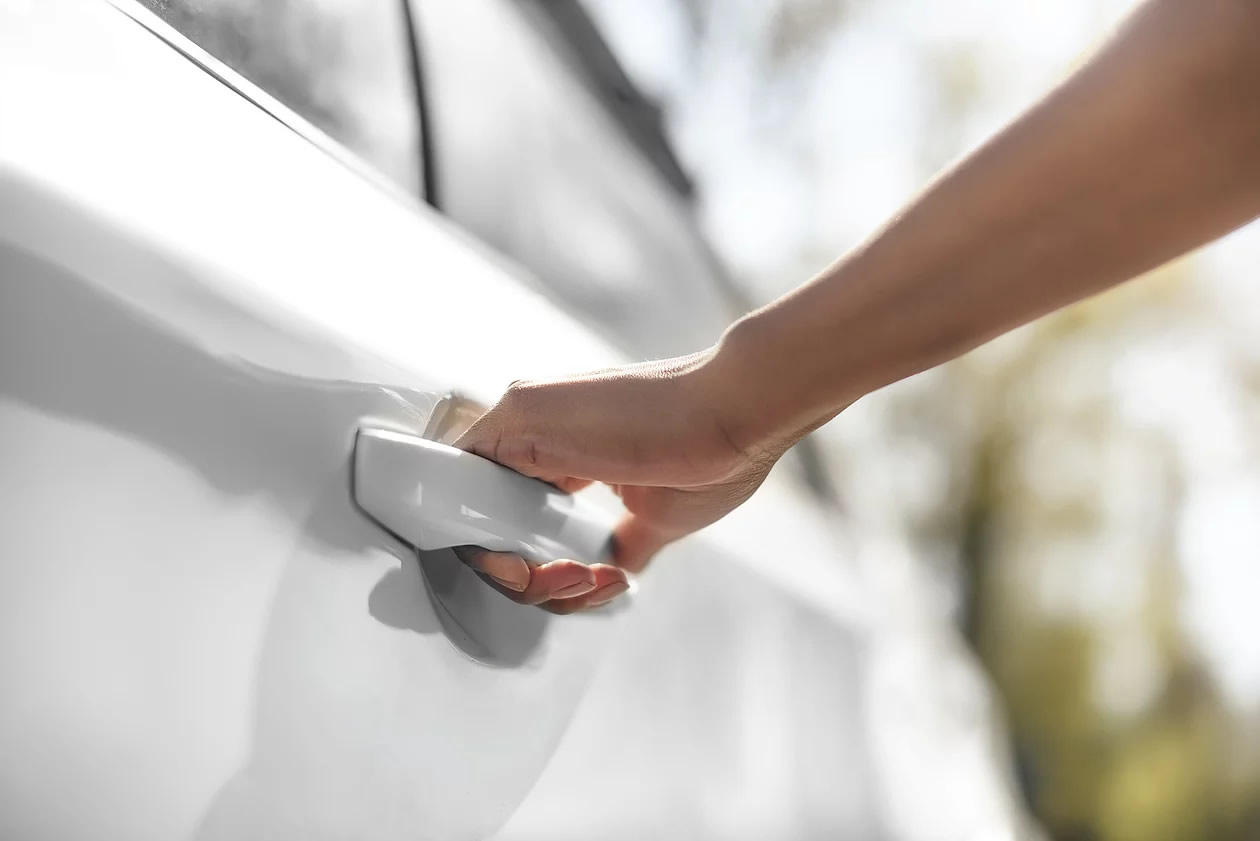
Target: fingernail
{"x": 578, "y": 589}
{"x": 607, "y": 593}
{"x": 507, "y": 569}
{"x": 515, "y": 586}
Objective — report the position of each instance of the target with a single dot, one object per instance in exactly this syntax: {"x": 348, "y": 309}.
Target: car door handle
{"x": 434, "y": 496}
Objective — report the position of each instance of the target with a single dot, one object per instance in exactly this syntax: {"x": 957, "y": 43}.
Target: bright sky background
{"x": 859, "y": 109}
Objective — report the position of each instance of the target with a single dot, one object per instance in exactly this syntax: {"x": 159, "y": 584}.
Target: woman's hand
{"x": 667, "y": 437}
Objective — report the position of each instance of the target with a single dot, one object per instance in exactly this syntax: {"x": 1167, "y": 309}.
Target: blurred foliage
{"x": 1165, "y": 766}
{"x": 802, "y": 28}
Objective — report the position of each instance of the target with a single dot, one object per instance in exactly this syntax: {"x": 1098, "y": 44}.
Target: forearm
{"x": 1150, "y": 150}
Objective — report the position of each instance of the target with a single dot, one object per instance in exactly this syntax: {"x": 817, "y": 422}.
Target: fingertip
{"x": 610, "y": 583}
{"x": 507, "y": 569}
{"x": 565, "y": 567}
{"x": 606, "y": 574}
{"x": 607, "y": 593}
{"x": 563, "y": 576}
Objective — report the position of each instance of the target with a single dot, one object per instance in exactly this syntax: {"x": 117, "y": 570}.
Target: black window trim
{"x": 429, "y": 183}
{"x": 595, "y": 63}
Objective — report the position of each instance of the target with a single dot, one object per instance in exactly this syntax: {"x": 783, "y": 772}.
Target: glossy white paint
{"x": 436, "y": 497}
{"x": 202, "y": 636}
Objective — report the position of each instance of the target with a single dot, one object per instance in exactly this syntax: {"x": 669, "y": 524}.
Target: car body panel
{"x": 201, "y": 636}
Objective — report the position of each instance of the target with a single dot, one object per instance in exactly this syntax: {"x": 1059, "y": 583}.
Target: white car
{"x": 204, "y": 297}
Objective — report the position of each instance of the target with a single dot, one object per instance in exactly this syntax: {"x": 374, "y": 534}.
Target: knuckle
{"x": 527, "y": 452}
{"x": 519, "y": 394}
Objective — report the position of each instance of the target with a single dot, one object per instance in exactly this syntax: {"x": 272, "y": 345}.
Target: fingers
{"x": 551, "y": 431}
{"x": 558, "y": 580}
{"x": 609, "y": 583}
{"x": 560, "y": 587}
{"x": 486, "y": 439}
{"x": 514, "y": 578}
{"x": 505, "y": 569}
{"x": 503, "y": 434}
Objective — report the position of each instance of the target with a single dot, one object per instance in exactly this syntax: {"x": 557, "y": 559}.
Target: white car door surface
{"x": 202, "y": 637}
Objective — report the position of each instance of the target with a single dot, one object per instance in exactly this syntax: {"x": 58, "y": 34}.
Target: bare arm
{"x": 1151, "y": 149}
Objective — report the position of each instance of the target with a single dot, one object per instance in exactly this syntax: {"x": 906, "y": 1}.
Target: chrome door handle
{"x": 434, "y": 496}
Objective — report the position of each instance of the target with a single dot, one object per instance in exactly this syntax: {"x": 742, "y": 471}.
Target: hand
{"x": 665, "y": 436}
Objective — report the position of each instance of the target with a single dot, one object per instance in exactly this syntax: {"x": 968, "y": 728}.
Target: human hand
{"x": 667, "y": 437}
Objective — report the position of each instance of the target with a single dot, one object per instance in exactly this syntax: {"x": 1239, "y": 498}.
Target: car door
{"x": 201, "y": 635}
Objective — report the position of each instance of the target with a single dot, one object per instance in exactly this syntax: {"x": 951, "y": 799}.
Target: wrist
{"x": 760, "y": 406}
{"x": 775, "y": 380}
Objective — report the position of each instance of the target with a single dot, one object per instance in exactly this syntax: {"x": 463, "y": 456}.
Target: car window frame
{"x": 239, "y": 84}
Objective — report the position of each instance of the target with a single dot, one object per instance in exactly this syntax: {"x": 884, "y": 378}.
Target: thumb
{"x": 635, "y": 541}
